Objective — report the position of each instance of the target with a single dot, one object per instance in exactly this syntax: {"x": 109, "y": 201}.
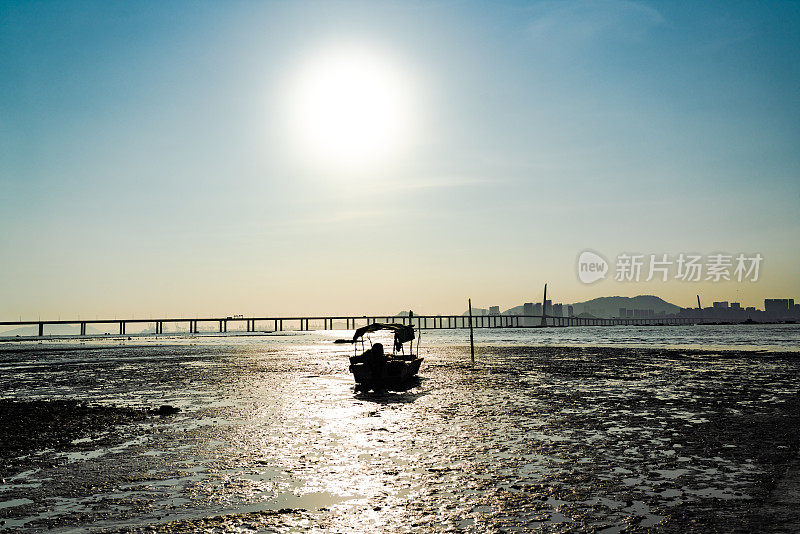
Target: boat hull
{"x": 395, "y": 372}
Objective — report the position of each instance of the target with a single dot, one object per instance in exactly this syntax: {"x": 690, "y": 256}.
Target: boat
{"x": 376, "y": 370}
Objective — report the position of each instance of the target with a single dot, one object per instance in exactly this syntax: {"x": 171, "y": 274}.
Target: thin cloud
{"x": 581, "y": 24}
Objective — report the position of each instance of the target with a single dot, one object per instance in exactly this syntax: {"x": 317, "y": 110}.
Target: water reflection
{"x": 275, "y": 436}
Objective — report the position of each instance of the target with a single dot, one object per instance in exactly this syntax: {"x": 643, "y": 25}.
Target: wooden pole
{"x": 411, "y": 323}
{"x": 471, "y": 338}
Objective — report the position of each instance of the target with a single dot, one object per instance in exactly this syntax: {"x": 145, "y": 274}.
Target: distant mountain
{"x": 609, "y": 306}
{"x": 477, "y": 311}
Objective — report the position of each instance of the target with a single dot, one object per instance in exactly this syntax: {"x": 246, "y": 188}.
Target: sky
{"x": 219, "y": 158}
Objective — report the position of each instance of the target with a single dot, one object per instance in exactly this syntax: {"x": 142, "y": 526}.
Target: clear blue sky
{"x": 146, "y": 165}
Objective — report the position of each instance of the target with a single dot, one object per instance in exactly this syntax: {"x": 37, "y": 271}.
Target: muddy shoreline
{"x": 552, "y": 438}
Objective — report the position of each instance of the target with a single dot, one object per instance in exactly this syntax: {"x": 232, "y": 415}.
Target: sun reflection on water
{"x": 554, "y": 438}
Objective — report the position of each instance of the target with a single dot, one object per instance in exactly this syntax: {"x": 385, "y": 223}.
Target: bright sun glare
{"x": 350, "y": 109}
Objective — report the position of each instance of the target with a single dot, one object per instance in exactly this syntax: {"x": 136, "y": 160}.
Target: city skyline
{"x": 554, "y": 308}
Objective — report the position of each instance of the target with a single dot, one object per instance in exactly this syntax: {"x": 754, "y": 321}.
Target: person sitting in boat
{"x": 376, "y": 360}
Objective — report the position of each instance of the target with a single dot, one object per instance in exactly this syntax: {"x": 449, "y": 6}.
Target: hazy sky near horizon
{"x": 154, "y": 156}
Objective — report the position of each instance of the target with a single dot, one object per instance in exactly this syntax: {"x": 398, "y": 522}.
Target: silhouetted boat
{"x": 374, "y": 369}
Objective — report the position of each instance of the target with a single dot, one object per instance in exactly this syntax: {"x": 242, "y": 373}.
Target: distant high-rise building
{"x": 736, "y": 306}
{"x": 548, "y": 307}
{"x": 528, "y": 309}
{"x": 777, "y": 306}
{"x": 537, "y": 308}
{"x": 570, "y": 311}
{"x": 558, "y": 310}
{"x": 494, "y": 310}
{"x": 721, "y": 304}
{"x": 623, "y": 312}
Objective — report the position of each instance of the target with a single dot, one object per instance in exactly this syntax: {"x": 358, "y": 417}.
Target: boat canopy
{"x": 402, "y": 332}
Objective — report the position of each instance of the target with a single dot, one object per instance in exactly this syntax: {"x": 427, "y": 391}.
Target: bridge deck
{"x": 347, "y": 322}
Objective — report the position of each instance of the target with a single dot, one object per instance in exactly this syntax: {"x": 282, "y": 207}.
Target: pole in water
{"x": 411, "y": 323}
{"x": 471, "y": 338}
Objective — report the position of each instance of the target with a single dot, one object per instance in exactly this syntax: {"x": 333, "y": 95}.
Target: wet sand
{"x": 275, "y": 439}
{"x": 29, "y": 426}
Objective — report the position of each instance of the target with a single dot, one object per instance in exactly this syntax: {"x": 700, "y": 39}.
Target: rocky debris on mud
{"x": 54, "y": 424}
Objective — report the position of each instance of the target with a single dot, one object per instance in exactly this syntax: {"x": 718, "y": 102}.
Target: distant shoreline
{"x": 73, "y": 343}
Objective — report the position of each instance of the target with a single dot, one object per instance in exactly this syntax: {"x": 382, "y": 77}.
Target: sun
{"x": 350, "y": 109}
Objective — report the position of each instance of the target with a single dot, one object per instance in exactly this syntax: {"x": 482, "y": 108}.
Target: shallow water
{"x": 782, "y": 337}
{"x": 533, "y": 437}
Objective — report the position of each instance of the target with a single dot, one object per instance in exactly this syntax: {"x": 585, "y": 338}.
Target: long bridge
{"x": 332, "y": 322}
